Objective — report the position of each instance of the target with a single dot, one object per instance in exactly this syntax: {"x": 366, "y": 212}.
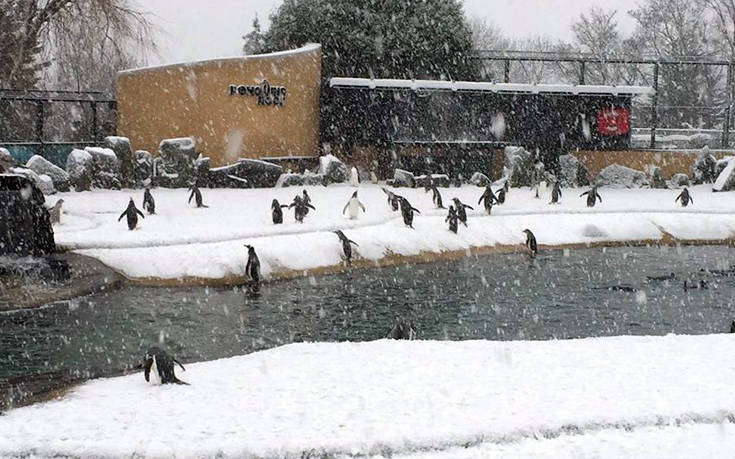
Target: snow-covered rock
{"x": 680, "y": 180}
{"x": 617, "y": 176}
{"x": 657, "y": 178}
{"x": 517, "y": 165}
{"x": 333, "y": 169}
{"x": 479, "y": 179}
{"x": 124, "y": 153}
{"x": 41, "y": 166}
{"x": 703, "y": 169}
{"x": 403, "y": 177}
{"x": 726, "y": 180}
{"x": 289, "y": 179}
{"x": 573, "y": 172}
{"x": 42, "y": 182}
{"x": 143, "y": 169}
{"x": 105, "y": 168}
{"x": 174, "y": 166}
{"x": 252, "y": 173}
{"x": 6, "y": 160}
{"x": 439, "y": 180}
{"x": 311, "y": 178}
{"x": 79, "y": 167}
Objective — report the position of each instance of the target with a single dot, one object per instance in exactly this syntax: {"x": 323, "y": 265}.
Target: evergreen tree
{"x": 254, "y": 41}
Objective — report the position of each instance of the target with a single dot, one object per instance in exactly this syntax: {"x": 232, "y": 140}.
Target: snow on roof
{"x": 483, "y": 86}
{"x": 304, "y": 49}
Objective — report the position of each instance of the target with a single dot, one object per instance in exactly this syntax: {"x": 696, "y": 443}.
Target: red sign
{"x": 613, "y": 121}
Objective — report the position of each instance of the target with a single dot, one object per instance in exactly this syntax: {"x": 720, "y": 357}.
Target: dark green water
{"x": 501, "y": 297}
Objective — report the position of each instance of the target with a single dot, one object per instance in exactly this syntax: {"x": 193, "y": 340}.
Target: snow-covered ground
{"x": 669, "y": 396}
{"x": 183, "y": 241}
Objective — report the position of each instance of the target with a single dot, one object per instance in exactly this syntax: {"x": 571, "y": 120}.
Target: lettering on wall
{"x": 264, "y": 93}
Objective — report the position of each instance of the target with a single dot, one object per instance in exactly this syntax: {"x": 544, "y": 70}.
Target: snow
{"x": 325, "y": 161}
{"x": 725, "y": 177}
{"x": 181, "y": 143}
{"x": 667, "y": 396}
{"x": 183, "y": 241}
{"x": 102, "y": 152}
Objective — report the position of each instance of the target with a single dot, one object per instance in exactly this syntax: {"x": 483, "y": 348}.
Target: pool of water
{"x": 561, "y": 294}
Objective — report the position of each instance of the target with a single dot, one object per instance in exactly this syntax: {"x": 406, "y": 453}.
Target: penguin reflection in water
{"x": 531, "y": 243}
{"x": 158, "y": 367}
{"x": 131, "y": 213}
{"x": 346, "y": 247}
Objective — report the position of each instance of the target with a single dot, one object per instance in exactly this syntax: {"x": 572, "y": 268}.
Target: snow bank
{"x": 401, "y": 397}
{"x": 726, "y": 180}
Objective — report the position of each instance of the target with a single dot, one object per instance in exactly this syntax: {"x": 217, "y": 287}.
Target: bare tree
{"x": 723, "y": 12}
{"x": 596, "y": 33}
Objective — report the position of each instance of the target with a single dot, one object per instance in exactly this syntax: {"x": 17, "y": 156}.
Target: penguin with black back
{"x": 148, "y": 203}
{"x": 307, "y": 201}
{"x": 592, "y": 196}
{"x": 403, "y": 330}
{"x": 407, "y": 211}
{"x": 131, "y": 212}
{"x": 252, "y": 267}
{"x": 346, "y": 247}
{"x": 489, "y": 198}
{"x": 685, "y": 197}
{"x": 158, "y": 367}
{"x": 461, "y": 212}
{"x": 437, "y": 198}
{"x": 556, "y": 193}
{"x": 276, "y": 212}
{"x": 195, "y": 193}
{"x": 501, "y": 196}
{"x": 531, "y": 243}
{"x": 393, "y": 199}
{"x": 452, "y": 219}
{"x": 301, "y": 208}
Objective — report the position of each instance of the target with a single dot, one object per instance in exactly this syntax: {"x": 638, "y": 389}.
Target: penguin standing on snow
{"x": 307, "y": 199}
{"x": 402, "y": 330}
{"x": 55, "y": 212}
{"x": 353, "y": 205}
{"x": 556, "y": 193}
{"x": 461, "y": 212}
{"x": 346, "y": 247}
{"x": 531, "y": 243}
{"x": 195, "y": 193}
{"x": 592, "y": 196}
{"x": 489, "y": 199}
{"x": 276, "y": 211}
{"x": 373, "y": 177}
{"x": 252, "y": 267}
{"x": 407, "y": 211}
{"x": 148, "y": 203}
{"x": 436, "y": 197}
{"x": 501, "y": 196}
{"x": 685, "y": 197}
{"x": 158, "y": 367}
{"x": 301, "y": 208}
{"x": 132, "y": 213}
{"x": 354, "y": 177}
{"x": 393, "y": 199}
{"x": 452, "y": 219}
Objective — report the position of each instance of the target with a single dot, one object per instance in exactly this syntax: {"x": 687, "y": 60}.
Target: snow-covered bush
{"x": 333, "y": 169}
{"x": 703, "y": 169}
{"x": 125, "y": 157}
{"x": 680, "y": 180}
{"x": 657, "y": 178}
{"x": 573, "y": 172}
{"x": 518, "y": 166}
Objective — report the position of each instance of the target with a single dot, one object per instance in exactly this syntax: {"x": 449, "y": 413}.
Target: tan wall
{"x": 193, "y": 100}
{"x": 670, "y": 162}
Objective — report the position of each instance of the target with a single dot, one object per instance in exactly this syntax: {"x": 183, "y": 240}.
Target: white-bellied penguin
{"x": 592, "y": 196}
{"x": 346, "y": 247}
{"x": 452, "y": 219}
{"x": 158, "y": 367}
{"x": 353, "y": 205}
{"x": 488, "y": 198}
{"x": 132, "y": 213}
{"x": 301, "y": 208}
{"x": 148, "y": 203}
{"x": 556, "y": 192}
{"x": 436, "y": 197}
{"x": 531, "y": 243}
{"x": 252, "y": 267}
{"x": 461, "y": 212}
{"x": 276, "y": 211}
{"x": 402, "y": 330}
{"x": 685, "y": 198}
{"x": 195, "y": 193}
{"x": 55, "y": 212}
{"x": 407, "y": 211}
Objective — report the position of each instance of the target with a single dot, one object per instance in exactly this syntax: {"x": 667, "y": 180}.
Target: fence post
{"x": 94, "y": 122}
{"x": 39, "y": 121}
{"x": 654, "y": 106}
{"x": 581, "y": 72}
{"x": 506, "y": 75}
{"x": 728, "y": 108}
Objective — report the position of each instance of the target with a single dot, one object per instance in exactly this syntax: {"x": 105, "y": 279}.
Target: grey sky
{"x": 196, "y": 29}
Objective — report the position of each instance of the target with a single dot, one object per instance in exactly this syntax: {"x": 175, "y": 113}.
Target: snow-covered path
{"x": 182, "y": 241}
{"x": 599, "y": 397}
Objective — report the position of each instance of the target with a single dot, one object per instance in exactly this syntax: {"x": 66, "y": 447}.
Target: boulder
{"x": 42, "y": 166}
{"x": 25, "y": 225}
{"x": 79, "y": 168}
{"x": 6, "y": 160}
{"x": 143, "y": 169}
{"x": 617, "y": 176}
{"x": 313, "y": 179}
{"x": 657, "y": 178}
{"x": 174, "y": 166}
{"x": 403, "y": 178}
{"x": 105, "y": 168}
{"x": 517, "y": 165}
{"x": 201, "y": 169}
{"x": 680, "y": 180}
{"x": 250, "y": 173}
{"x": 573, "y": 172}
{"x": 480, "y": 179}
{"x": 333, "y": 169}
{"x": 703, "y": 169}
{"x": 439, "y": 180}
{"x": 46, "y": 184}
{"x": 121, "y": 147}
{"x": 290, "y": 179}
{"x": 42, "y": 182}
{"x": 726, "y": 180}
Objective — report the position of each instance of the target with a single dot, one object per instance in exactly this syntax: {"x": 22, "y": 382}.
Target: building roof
{"x": 481, "y": 86}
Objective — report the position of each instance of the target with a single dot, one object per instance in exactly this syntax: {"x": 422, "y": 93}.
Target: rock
{"x": 403, "y": 178}
{"x": 42, "y": 166}
{"x": 41, "y": 182}
{"x": 106, "y": 181}
{"x": 726, "y": 180}
{"x": 617, "y": 176}
{"x": 25, "y": 226}
{"x": 121, "y": 147}
{"x": 143, "y": 168}
{"x": 517, "y": 165}
{"x": 201, "y": 169}
{"x": 573, "y": 172}
{"x": 6, "y": 160}
{"x": 313, "y": 179}
{"x": 480, "y": 179}
{"x": 79, "y": 168}
{"x": 252, "y": 173}
{"x": 680, "y": 180}
{"x": 290, "y": 179}
{"x": 439, "y": 180}
{"x": 105, "y": 168}
{"x": 174, "y": 166}
{"x": 333, "y": 169}
{"x": 657, "y": 178}
{"x": 703, "y": 169}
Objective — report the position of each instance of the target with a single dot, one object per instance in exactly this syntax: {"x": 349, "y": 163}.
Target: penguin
{"x": 393, "y": 199}
{"x": 196, "y": 193}
{"x": 148, "y": 203}
{"x": 452, "y": 219}
{"x": 501, "y": 196}
{"x": 437, "y": 198}
{"x": 531, "y": 242}
{"x": 55, "y": 212}
{"x": 402, "y": 330}
{"x": 373, "y": 177}
{"x": 131, "y": 212}
{"x": 354, "y": 205}
{"x": 346, "y": 247}
{"x": 252, "y": 267}
{"x": 685, "y": 197}
{"x": 592, "y": 196}
{"x": 489, "y": 198}
{"x": 306, "y": 198}
{"x": 407, "y": 211}
{"x": 354, "y": 177}
{"x": 301, "y": 208}
{"x": 506, "y": 186}
{"x": 732, "y": 326}
{"x": 276, "y": 211}
{"x": 461, "y": 212}
{"x": 556, "y": 193}
{"x": 158, "y": 367}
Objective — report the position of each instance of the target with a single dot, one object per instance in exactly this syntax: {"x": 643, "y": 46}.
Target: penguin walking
{"x": 252, "y": 267}
{"x": 276, "y": 211}
{"x": 301, "y": 208}
{"x": 158, "y": 367}
{"x": 685, "y": 197}
{"x": 148, "y": 203}
{"x": 195, "y": 193}
{"x": 353, "y": 205}
{"x": 489, "y": 198}
{"x": 556, "y": 193}
{"x": 55, "y": 212}
{"x": 132, "y": 213}
{"x": 592, "y": 196}
{"x": 437, "y": 197}
{"x": 461, "y": 212}
{"x": 407, "y": 211}
{"x": 354, "y": 177}
{"x": 452, "y": 219}
{"x": 501, "y": 196}
{"x": 402, "y": 330}
{"x": 393, "y": 199}
{"x": 346, "y": 247}
{"x": 306, "y": 198}
{"x": 531, "y": 243}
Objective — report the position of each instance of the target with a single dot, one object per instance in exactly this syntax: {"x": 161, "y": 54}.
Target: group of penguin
{"x": 149, "y": 204}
